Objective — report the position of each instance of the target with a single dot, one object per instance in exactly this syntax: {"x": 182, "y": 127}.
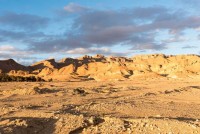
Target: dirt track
{"x": 137, "y": 106}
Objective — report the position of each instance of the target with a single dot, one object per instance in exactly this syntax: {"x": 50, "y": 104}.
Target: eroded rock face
{"x": 18, "y": 73}
{"x": 100, "y": 67}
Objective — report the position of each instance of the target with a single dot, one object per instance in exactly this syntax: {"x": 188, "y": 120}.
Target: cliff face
{"x": 100, "y": 67}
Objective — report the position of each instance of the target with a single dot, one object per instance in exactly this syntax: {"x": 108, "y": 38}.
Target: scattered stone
{"x": 79, "y": 91}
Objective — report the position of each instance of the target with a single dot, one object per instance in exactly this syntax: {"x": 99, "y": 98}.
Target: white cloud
{"x": 6, "y": 48}
{"x": 73, "y": 8}
{"x": 93, "y": 50}
{"x": 9, "y": 51}
{"x": 88, "y": 50}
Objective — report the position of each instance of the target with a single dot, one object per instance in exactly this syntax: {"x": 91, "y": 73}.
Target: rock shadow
{"x": 27, "y": 125}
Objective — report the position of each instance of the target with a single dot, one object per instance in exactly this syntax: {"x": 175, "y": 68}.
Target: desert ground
{"x": 141, "y": 105}
{"x": 144, "y": 94}
{"x": 99, "y": 66}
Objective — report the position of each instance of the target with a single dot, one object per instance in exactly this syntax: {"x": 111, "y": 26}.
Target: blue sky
{"x": 33, "y": 30}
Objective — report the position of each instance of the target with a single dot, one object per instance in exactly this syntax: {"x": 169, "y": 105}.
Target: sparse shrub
{"x": 6, "y": 78}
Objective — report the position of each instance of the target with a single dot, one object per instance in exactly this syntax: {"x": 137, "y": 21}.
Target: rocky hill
{"x": 103, "y": 68}
{"x": 9, "y": 65}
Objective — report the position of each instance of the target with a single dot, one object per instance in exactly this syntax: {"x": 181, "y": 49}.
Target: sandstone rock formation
{"x": 101, "y": 68}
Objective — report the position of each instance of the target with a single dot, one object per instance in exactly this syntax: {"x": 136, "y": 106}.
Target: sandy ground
{"x": 142, "y": 106}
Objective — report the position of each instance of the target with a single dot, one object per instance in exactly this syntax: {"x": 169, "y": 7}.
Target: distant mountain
{"x": 103, "y": 68}
{"x": 8, "y": 65}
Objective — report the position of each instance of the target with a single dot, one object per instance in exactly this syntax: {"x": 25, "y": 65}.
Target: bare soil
{"x": 142, "y": 106}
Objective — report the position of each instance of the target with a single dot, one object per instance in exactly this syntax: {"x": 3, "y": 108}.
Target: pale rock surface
{"x": 103, "y": 68}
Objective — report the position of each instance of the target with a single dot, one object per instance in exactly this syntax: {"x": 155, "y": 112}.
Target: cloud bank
{"x": 96, "y": 31}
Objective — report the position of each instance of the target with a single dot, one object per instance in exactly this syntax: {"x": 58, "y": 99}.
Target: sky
{"x": 34, "y": 30}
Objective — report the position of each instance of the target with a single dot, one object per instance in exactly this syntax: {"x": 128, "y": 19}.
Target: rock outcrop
{"x": 100, "y": 67}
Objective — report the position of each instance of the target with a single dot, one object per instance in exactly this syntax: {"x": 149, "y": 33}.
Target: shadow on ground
{"x": 26, "y": 125}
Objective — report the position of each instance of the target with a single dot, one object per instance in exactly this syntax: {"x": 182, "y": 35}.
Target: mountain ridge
{"x": 101, "y": 68}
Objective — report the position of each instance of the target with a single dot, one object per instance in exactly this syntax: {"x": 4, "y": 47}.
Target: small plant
{"x": 7, "y": 78}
